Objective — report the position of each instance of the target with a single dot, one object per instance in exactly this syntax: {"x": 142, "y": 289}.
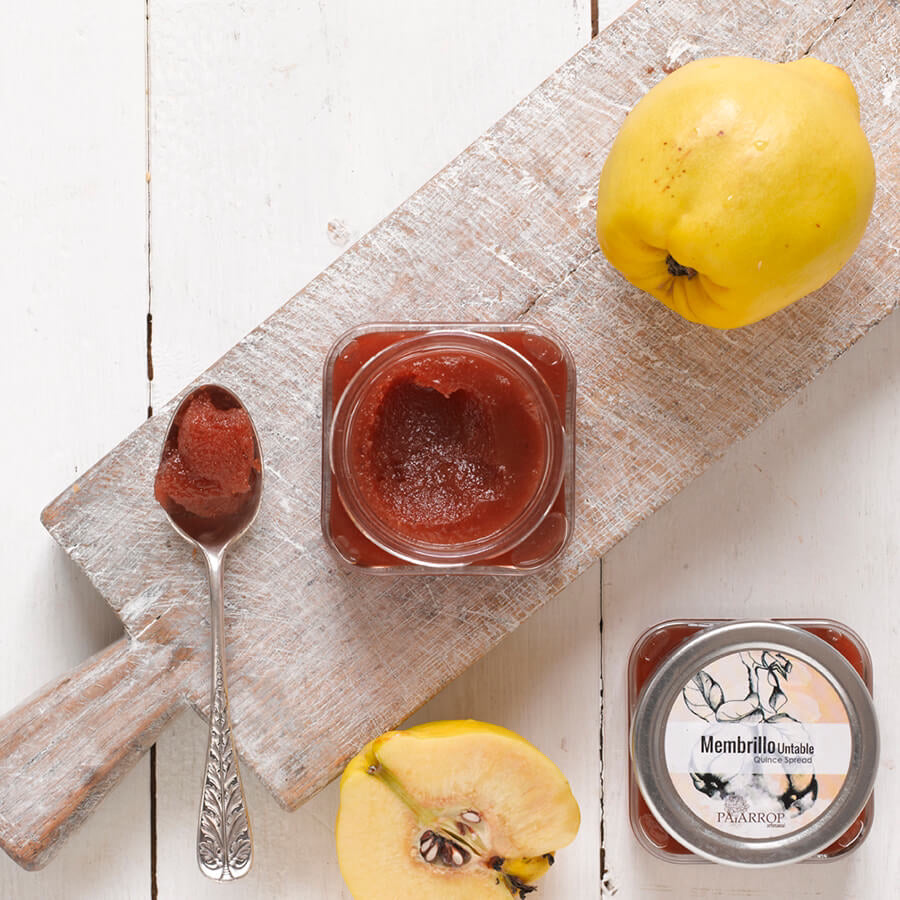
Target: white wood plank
{"x": 269, "y": 126}
{"x": 108, "y": 858}
{"x": 280, "y": 133}
{"x": 542, "y": 681}
{"x": 73, "y": 283}
{"x": 801, "y": 519}
{"x": 74, "y": 300}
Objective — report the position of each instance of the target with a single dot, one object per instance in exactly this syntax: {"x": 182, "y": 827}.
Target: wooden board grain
{"x": 322, "y": 659}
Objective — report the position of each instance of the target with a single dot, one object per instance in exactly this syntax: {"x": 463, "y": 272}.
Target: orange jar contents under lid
{"x": 448, "y": 447}
{"x": 753, "y": 743}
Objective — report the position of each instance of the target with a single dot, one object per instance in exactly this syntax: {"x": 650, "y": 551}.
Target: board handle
{"x": 62, "y": 750}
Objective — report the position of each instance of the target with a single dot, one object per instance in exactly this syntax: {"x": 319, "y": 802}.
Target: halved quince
{"x": 457, "y": 810}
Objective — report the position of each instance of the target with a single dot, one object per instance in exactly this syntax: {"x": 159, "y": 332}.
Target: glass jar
{"x": 448, "y": 448}
{"x": 753, "y": 743}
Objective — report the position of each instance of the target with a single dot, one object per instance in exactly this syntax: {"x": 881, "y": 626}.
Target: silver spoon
{"x": 224, "y": 842}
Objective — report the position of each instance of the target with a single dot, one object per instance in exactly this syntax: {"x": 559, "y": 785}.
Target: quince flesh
{"x": 457, "y": 810}
{"x": 737, "y": 186}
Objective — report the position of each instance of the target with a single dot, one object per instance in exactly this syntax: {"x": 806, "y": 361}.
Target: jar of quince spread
{"x": 448, "y": 448}
{"x": 753, "y": 743}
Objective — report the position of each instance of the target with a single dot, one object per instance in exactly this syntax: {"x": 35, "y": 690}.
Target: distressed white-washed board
{"x": 316, "y": 674}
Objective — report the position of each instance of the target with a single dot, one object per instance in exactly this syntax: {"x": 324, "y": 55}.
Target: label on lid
{"x": 758, "y": 744}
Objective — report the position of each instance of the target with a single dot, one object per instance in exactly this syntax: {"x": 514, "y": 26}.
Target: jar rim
{"x": 483, "y": 547}
{"x": 648, "y": 732}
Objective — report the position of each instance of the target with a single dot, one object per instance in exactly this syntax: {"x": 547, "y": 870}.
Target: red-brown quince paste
{"x": 448, "y": 449}
{"x": 208, "y": 467}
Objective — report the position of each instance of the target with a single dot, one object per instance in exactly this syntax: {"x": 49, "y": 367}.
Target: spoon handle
{"x": 224, "y": 844}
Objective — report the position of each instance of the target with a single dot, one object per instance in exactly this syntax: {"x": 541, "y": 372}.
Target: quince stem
{"x": 425, "y": 816}
{"x": 428, "y": 818}
{"x": 676, "y": 268}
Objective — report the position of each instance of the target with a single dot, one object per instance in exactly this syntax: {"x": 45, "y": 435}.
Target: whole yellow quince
{"x": 737, "y": 186}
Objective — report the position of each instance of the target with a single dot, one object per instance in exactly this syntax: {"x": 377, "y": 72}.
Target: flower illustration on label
{"x": 729, "y": 770}
{"x": 752, "y": 740}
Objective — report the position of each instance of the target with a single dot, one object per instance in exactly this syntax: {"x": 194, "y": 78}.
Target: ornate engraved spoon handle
{"x": 224, "y": 843}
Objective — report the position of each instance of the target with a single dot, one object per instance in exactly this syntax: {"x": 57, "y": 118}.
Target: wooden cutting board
{"x": 321, "y": 659}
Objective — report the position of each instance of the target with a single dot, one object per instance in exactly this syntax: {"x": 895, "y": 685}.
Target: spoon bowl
{"x": 209, "y": 483}
{"x": 221, "y": 525}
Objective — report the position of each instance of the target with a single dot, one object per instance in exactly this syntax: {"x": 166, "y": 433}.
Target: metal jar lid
{"x": 648, "y": 737}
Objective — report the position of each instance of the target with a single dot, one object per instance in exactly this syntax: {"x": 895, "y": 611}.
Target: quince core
{"x": 457, "y": 810}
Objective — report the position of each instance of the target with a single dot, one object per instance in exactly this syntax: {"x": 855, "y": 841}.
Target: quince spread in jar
{"x": 447, "y": 448}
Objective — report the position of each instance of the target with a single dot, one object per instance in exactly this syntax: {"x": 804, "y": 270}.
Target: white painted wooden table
{"x": 277, "y": 133}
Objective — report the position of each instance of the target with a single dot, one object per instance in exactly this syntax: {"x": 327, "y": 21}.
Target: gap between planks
{"x": 152, "y": 786}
